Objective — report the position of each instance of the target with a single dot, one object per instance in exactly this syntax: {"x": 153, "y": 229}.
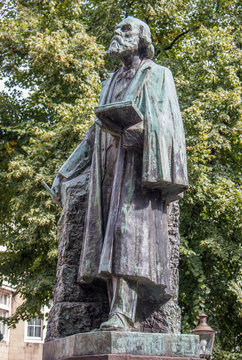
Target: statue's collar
{"x": 144, "y": 64}
{"x": 135, "y": 86}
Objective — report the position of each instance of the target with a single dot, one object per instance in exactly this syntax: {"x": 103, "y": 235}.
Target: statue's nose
{"x": 117, "y": 31}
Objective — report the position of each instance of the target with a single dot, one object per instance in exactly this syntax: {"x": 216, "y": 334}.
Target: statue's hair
{"x": 146, "y": 47}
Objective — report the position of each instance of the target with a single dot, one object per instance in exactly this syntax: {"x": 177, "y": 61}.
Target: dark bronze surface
{"x": 118, "y": 232}
{"x": 130, "y": 357}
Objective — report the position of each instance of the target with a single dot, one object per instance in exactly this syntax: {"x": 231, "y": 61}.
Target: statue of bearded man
{"x": 138, "y": 166}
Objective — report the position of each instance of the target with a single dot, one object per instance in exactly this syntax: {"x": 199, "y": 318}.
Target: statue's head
{"x": 131, "y": 35}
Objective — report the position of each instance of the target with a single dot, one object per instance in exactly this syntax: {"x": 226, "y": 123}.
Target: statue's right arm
{"x": 77, "y": 163}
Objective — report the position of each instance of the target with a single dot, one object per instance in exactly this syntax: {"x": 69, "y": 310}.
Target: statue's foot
{"x": 94, "y": 330}
{"x": 116, "y": 322}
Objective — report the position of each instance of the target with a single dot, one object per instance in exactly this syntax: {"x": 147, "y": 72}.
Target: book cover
{"x": 119, "y": 115}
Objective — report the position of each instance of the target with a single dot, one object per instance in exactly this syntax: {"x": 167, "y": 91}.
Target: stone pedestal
{"x": 123, "y": 346}
{"x": 130, "y": 357}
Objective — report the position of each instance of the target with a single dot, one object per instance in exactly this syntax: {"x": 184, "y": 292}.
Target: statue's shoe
{"x": 116, "y": 322}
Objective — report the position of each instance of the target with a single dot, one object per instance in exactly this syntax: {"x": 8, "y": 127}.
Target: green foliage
{"x": 46, "y": 49}
{"x": 219, "y": 354}
{"x": 212, "y": 207}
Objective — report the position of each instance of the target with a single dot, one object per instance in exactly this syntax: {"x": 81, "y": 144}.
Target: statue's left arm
{"x": 76, "y": 164}
{"x": 133, "y": 137}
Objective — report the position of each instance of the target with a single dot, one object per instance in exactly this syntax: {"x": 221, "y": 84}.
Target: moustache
{"x": 118, "y": 39}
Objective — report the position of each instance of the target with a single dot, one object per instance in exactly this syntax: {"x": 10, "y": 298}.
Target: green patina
{"x": 131, "y": 343}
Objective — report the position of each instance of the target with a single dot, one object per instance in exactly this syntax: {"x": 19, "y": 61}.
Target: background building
{"x": 25, "y": 342}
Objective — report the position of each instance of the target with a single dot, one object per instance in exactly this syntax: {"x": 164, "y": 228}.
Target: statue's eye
{"x": 126, "y": 28}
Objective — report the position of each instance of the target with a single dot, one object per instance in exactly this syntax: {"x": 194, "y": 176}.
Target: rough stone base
{"x": 69, "y": 318}
{"x": 108, "y": 343}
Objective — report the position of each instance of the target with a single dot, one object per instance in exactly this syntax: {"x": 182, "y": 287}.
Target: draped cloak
{"x": 131, "y": 240}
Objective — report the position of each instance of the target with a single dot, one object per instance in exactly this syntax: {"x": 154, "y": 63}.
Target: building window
{"x": 34, "y": 328}
{"x": 4, "y": 327}
{"x": 4, "y": 298}
{"x": 5, "y": 310}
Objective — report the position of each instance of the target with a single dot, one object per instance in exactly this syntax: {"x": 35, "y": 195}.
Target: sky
{"x": 2, "y": 87}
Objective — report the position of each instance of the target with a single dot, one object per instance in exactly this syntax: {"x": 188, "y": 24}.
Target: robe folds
{"x": 131, "y": 238}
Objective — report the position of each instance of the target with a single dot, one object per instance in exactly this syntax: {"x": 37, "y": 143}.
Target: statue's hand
{"x": 56, "y": 188}
{"x": 109, "y": 127}
{"x": 132, "y": 137}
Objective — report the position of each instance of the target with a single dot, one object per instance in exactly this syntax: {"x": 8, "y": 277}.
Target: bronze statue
{"x": 138, "y": 166}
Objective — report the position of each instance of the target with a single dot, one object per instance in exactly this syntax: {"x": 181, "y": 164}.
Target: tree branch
{"x": 175, "y": 40}
{"x": 217, "y": 6}
{"x": 129, "y": 5}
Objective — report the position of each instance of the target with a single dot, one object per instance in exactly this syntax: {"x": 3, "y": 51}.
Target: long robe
{"x": 131, "y": 238}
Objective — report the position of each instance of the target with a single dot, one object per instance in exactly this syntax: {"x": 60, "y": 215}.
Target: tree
{"x": 45, "y": 49}
{"x": 199, "y": 41}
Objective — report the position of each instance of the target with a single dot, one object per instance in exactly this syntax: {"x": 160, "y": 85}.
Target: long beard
{"x": 119, "y": 47}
